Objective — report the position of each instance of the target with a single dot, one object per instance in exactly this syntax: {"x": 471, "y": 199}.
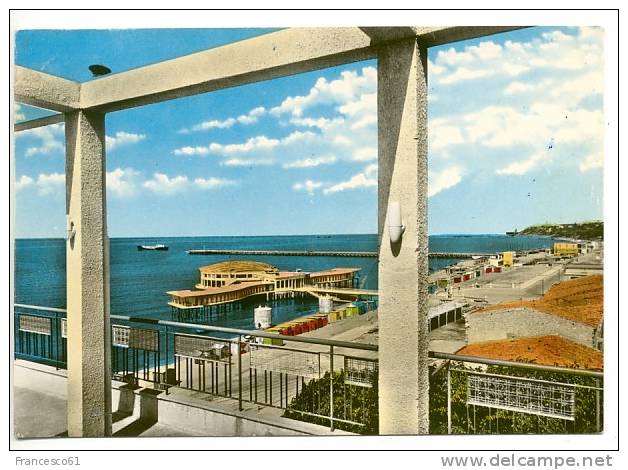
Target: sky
{"x": 516, "y": 132}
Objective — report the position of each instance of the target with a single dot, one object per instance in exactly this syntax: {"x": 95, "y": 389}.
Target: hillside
{"x": 585, "y": 230}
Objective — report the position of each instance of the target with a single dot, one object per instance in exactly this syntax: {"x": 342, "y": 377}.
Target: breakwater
{"x": 348, "y": 254}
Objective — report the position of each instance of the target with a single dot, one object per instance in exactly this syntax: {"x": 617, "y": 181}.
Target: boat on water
{"x": 152, "y": 247}
{"x": 512, "y": 234}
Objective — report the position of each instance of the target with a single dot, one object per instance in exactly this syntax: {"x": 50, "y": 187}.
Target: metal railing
{"x": 325, "y": 381}
{"x": 315, "y": 379}
{"x": 472, "y": 395}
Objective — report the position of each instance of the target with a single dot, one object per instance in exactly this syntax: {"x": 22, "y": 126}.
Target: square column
{"x": 403, "y": 268}
{"x": 87, "y": 260}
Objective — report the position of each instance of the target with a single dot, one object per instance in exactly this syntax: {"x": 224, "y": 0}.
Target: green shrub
{"x": 351, "y": 403}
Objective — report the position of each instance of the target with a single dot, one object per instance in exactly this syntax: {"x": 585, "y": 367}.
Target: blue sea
{"x": 140, "y": 279}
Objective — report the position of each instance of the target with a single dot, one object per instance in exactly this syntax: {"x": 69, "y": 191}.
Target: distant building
{"x": 566, "y": 249}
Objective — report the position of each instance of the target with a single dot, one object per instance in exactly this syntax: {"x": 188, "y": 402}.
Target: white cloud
{"x": 442, "y": 180}
{"x": 533, "y": 126}
{"x": 308, "y": 186}
{"x": 311, "y": 162}
{"x": 364, "y": 154}
{"x": 47, "y": 184}
{"x": 252, "y": 116}
{"x": 591, "y": 161}
{"x": 521, "y": 167}
{"x": 441, "y": 136}
{"x": 123, "y": 138}
{"x": 50, "y": 139}
{"x": 246, "y": 119}
{"x": 18, "y": 114}
{"x": 365, "y": 104}
{"x": 463, "y": 73}
{"x": 486, "y": 50}
{"x": 320, "y": 122}
{"x": 344, "y": 124}
{"x": 298, "y": 136}
{"x": 166, "y": 185}
{"x": 348, "y": 87}
{"x": 212, "y": 124}
{"x": 257, "y": 144}
{"x": 365, "y": 179}
{"x": 247, "y": 162}
{"x": 121, "y": 182}
{"x": 189, "y": 151}
{"x": 554, "y": 50}
{"x": 254, "y": 143}
{"x": 24, "y": 182}
{"x": 452, "y": 57}
{"x": 517, "y": 87}
{"x": 52, "y": 183}
{"x": 213, "y": 183}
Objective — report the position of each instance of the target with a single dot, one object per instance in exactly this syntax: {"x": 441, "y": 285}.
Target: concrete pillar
{"x": 89, "y": 344}
{"x": 403, "y": 269}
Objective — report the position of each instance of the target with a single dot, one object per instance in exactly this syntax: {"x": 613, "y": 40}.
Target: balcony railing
{"x": 288, "y": 372}
{"x": 328, "y": 382}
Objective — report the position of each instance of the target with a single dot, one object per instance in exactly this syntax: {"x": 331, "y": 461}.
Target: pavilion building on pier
{"x": 232, "y": 281}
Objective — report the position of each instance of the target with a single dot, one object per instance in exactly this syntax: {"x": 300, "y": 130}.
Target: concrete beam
{"x": 273, "y": 55}
{"x": 45, "y": 91}
{"x": 87, "y": 271}
{"x": 403, "y": 268}
{"x": 287, "y": 52}
{"x": 39, "y": 122}
{"x": 429, "y": 36}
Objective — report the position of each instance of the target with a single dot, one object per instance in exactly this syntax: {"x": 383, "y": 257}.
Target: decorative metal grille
{"x": 206, "y": 348}
{"x": 120, "y": 336}
{"x": 304, "y": 364}
{"x": 523, "y": 395}
{"x": 147, "y": 340}
{"x": 39, "y": 325}
{"x": 64, "y": 328}
{"x": 360, "y": 372}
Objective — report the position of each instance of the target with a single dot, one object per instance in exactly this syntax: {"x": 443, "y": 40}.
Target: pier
{"x": 348, "y": 254}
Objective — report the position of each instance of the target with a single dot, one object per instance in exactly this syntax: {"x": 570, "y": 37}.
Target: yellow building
{"x": 565, "y": 249}
{"x": 507, "y": 258}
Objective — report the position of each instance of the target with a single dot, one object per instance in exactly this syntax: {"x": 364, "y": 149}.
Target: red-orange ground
{"x": 545, "y": 350}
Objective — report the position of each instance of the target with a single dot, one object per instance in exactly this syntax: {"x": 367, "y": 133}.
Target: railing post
{"x": 167, "y": 385}
{"x": 598, "y": 420}
{"x": 448, "y": 399}
{"x": 331, "y": 388}
{"x": 240, "y": 372}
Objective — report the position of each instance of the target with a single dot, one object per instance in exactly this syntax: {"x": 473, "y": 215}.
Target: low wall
{"x": 185, "y": 414}
{"x": 522, "y": 322}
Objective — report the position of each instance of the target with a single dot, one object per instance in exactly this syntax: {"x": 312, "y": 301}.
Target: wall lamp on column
{"x": 71, "y": 231}
{"x": 395, "y": 226}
